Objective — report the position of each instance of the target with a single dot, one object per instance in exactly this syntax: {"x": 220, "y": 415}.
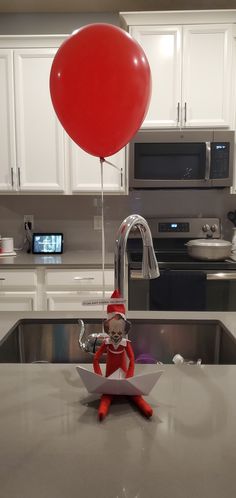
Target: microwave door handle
{"x": 208, "y": 160}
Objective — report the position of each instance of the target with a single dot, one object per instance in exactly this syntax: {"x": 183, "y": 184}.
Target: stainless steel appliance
{"x": 179, "y": 159}
{"x": 185, "y": 283}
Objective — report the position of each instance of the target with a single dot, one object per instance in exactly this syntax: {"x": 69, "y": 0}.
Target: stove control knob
{"x": 205, "y": 228}
{"x": 214, "y": 228}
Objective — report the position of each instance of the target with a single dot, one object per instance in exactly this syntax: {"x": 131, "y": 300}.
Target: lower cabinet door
{"x": 18, "y": 301}
{"x": 73, "y": 301}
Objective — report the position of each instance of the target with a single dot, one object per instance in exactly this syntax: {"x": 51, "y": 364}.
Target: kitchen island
{"x": 52, "y": 445}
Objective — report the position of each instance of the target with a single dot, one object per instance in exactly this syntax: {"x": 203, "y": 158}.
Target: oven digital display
{"x": 173, "y": 227}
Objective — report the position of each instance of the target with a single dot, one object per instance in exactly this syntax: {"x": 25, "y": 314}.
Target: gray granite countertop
{"x": 52, "y": 445}
{"x": 91, "y": 259}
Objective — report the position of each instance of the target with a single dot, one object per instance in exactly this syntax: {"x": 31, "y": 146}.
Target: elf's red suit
{"x": 118, "y": 349}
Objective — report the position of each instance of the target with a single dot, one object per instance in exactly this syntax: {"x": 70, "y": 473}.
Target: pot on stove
{"x": 209, "y": 249}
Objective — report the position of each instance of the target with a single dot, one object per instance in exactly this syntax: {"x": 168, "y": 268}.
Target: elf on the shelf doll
{"x": 118, "y": 350}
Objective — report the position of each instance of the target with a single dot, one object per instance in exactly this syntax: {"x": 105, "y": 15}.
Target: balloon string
{"x": 102, "y": 160}
{"x": 108, "y": 162}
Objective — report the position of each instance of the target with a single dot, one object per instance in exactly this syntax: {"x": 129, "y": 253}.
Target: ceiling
{"x": 23, "y": 6}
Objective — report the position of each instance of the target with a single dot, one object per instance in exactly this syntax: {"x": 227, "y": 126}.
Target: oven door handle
{"x": 221, "y": 276}
{"x": 136, "y": 275}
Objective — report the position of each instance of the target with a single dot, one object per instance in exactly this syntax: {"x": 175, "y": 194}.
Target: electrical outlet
{"x": 29, "y": 218}
{"x": 97, "y": 222}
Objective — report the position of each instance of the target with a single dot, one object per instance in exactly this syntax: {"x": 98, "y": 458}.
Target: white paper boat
{"x": 117, "y": 384}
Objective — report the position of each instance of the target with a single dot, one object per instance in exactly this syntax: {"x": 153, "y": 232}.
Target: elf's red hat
{"x": 115, "y": 309}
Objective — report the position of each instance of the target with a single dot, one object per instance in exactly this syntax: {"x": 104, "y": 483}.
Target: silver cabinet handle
{"x": 208, "y": 160}
{"x": 12, "y": 177}
{"x": 83, "y": 278}
{"x": 121, "y": 177}
{"x": 178, "y": 112}
{"x": 18, "y": 169}
{"x": 185, "y": 112}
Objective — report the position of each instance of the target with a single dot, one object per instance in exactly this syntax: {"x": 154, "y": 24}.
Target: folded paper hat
{"x": 115, "y": 308}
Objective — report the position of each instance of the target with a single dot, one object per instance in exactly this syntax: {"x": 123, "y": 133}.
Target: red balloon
{"x": 100, "y": 86}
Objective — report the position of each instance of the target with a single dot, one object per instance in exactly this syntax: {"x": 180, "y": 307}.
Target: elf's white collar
{"x": 123, "y": 342}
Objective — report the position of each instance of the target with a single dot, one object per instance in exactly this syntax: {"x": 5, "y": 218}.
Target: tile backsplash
{"x": 73, "y": 215}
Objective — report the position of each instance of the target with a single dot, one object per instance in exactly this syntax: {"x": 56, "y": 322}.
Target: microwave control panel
{"x": 219, "y": 159}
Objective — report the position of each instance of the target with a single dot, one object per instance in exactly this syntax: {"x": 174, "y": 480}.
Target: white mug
{"x": 6, "y": 244}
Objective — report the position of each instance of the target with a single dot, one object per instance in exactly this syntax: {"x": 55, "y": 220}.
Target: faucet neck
{"x": 150, "y": 266}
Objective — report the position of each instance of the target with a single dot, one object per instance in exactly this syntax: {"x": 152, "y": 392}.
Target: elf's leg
{"x": 143, "y": 406}
{"x": 104, "y": 406}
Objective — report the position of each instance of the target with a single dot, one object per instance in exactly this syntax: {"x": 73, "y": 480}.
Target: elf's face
{"x": 116, "y": 330}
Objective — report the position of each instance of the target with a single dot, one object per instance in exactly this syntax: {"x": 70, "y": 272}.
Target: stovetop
{"x": 169, "y": 240}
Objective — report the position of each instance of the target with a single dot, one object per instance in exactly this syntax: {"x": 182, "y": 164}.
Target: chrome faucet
{"x": 150, "y": 267}
{"x": 150, "y": 270}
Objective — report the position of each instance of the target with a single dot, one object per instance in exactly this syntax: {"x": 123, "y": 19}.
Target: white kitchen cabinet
{"x": 54, "y": 289}
{"x": 207, "y": 76}
{"x": 39, "y": 135}
{"x": 162, "y": 46}
{"x": 31, "y": 140}
{"x": 85, "y": 171}
{"x": 18, "y": 290}
{"x": 191, "y": 61}
{"x": 35, "y": 153}
{"x": 65, "y": 289}
{"x": 73, "y": 300}
{"x": 18, "y": 301}
{"x": 7, "y": 135}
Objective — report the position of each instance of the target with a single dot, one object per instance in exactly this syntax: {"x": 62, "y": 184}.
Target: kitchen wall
{"x": 73, "y": 215}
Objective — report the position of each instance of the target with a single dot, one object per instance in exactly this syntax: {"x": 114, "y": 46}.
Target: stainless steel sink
{"x": 56, "y": 341}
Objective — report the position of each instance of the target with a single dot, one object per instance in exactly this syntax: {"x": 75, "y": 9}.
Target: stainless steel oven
{"x": 184, "y": 284}
{"x": 180, "y": 159}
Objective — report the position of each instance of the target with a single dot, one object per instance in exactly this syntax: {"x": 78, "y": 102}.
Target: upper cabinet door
{"x": 85, "y": 171}
{"x": 162, "y": 46}
{"x": 207, "y": 55}
{"x": 39, "y": 135}
{"x": 7, "y": 130}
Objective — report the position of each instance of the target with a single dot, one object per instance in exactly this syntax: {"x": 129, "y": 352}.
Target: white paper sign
{"x": 117, "y": 384}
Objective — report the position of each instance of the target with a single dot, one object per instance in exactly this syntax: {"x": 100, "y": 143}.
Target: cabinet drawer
{"x": 73, "y": 301}
{"x": 77, "y": 278}
{"x": 18, "y": 279}
{"x": 18, "y": 301}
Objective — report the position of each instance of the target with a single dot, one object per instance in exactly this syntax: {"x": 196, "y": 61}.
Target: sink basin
{"x": 56, "y": 341}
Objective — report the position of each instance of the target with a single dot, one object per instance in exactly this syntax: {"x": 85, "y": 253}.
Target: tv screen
{"x": 47, "y": 243}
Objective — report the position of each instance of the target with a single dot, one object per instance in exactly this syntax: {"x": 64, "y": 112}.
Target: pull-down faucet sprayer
{"x": 150, "y": 267}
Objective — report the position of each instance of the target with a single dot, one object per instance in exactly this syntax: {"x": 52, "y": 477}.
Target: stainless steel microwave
{"x": 179, "y": 159}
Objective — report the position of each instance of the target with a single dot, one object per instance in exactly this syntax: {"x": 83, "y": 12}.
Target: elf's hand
{"x": 129, "y": 374}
